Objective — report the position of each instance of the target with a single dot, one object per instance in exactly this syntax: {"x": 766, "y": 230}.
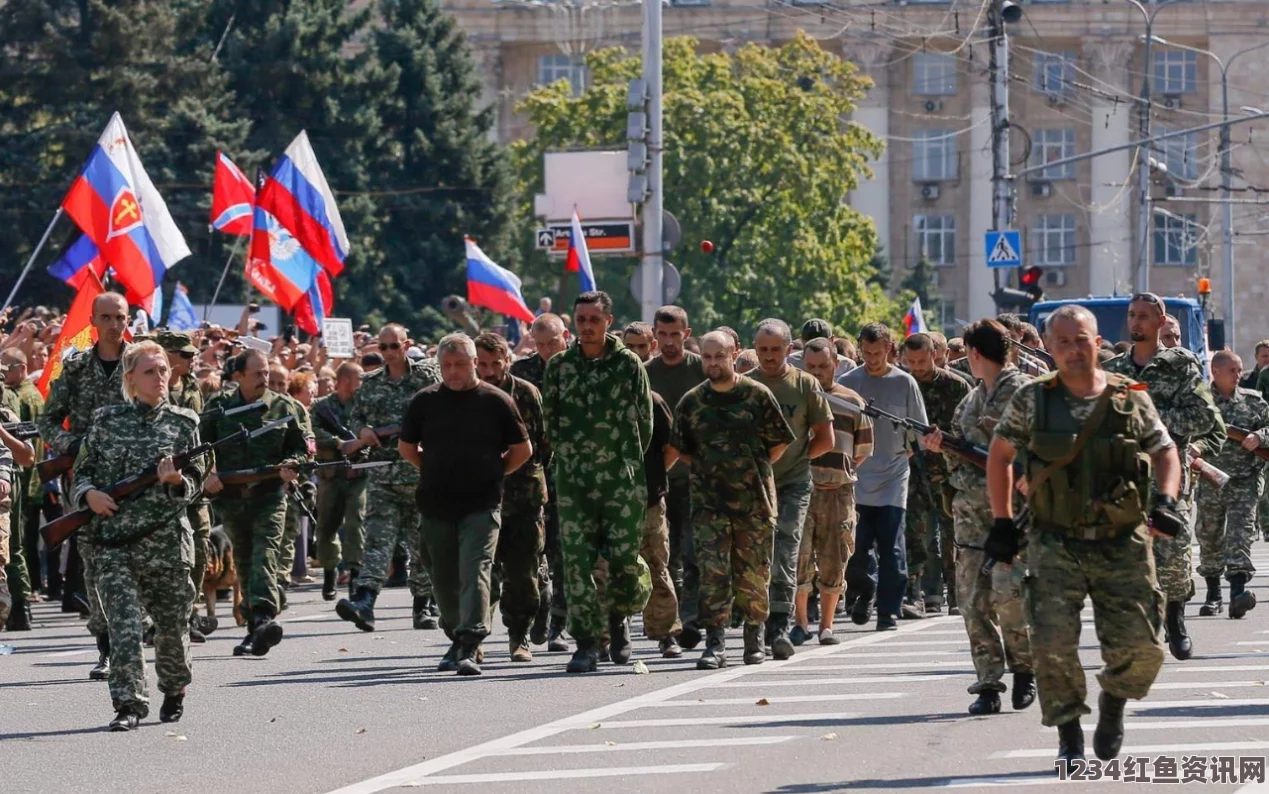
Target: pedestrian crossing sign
{"x": 1004, "y": 248}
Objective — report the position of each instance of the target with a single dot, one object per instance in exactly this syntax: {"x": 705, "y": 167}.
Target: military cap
{"x": 175, "y": 341}
{"x": 816, "y": 329}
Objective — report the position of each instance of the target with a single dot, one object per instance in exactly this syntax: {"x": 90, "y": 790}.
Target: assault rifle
{"x": 55, "y": 467}
{"x": 388, "y": 432}
{"x": 1035, "y": 352}
{"x": 266, "y": 473}
{"x": 22, "y": 431}
{"x": 1210, "y": 474}
{"x": 1238, "y": 434}
{"x": 955, "y": 445}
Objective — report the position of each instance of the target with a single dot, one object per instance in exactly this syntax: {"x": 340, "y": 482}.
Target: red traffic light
{"x": 707, "y": 247}
{"x": 1030, "y": 277}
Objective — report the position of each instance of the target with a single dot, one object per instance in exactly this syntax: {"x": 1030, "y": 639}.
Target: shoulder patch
{"x": 1048, "y": 380}
{"x": 1138, "y": 386}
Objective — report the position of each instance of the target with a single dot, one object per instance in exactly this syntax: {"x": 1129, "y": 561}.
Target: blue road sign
{"x": 1004, "y": 248}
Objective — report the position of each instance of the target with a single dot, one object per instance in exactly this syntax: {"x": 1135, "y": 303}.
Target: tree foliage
{"x": 758, "y": 159}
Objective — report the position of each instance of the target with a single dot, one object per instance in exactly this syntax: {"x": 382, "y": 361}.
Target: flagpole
{"x": 29, "y": 262}
{"x": 207, "y": 309}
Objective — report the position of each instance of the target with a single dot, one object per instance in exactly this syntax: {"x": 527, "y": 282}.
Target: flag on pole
{"x": 77, "y": 331}
{"x": 313, "y": 308}
{"x": 116, "y": 205}
{"x": 280, "y": 267}
{"x": 578, "y": 260}
{"x": 182, "y": 317}
{"x": 81, "y": 258}
{"x": 297, "y": 196}
{"x": 493, "y": 287}
{"x": 914, "y": 320}
{"x": 233, "y": 196}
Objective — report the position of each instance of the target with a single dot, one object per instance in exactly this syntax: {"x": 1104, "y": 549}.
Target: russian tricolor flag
{"x": 297, "y": 196}
{"x": 914, "y": 320}
{"x": 233, "y": 196}
{"x": 117, "y": 207}
{"x": 578, "y": 260}
{"x": 493, "y": 287}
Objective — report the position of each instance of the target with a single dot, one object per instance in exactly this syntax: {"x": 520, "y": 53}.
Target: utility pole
{"x": 1002, "y": 211}
{"x": 652, "y": 263}
{"x": 1143, "y": 171}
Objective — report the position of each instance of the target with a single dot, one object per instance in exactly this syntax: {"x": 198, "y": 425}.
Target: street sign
{"x": 1004, "y": 248}
{"x": 603, "y": 238}
{"x": 671, "y": 283}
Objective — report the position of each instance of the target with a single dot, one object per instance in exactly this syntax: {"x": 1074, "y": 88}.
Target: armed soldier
{"x": 1227, "y": 516}
{"x": 341, "y": 496}
{"x": 254, "y": 515}
{"x": 89, "y": 380}
{"x": 28, "y": 490}
{"x": 1089, "y": 440}
{"x": 392, "y": 516}
{"x": 1174, "y": 378}
{"x": 928, "y": 526}
{"x": 22, "y": 567}
{"x": 990, "y": 600}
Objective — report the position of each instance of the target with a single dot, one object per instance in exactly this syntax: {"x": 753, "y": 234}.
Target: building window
{"x": 933, "y": 74}
{"x": 1054, "y": 240}
{"x": 1180, "y": 153}
{"x": 1175, "y": 239}
{"x": 552, "y": 68}
{"x": 936, "y": 238}
{"x": 934, "y": 155}
{"x": 1175, "y": 71}
{"x": 1050, "y": 145}
{"x": 1054, "y": 72}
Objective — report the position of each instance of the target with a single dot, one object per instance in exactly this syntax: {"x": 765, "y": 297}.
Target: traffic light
{"x": 1020, "y": 301}
{"x": 637, "y": 159}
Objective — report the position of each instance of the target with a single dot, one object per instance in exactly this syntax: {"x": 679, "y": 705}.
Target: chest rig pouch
{"x": 1089, "y": 481}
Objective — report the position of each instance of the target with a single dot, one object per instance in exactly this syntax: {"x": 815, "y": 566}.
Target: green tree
{"x": 758, "y": 158}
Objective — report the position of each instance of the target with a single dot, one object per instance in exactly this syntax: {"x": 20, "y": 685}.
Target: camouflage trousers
{"x": 1227, "y": 526}
{"x": 661, "y": 615}
{"x": 828, "y": 539}
{"x": 515, "y": 586}
{"x": 291, "y": 527}
{"x": 793, "y": 499}
{"x": 733, "y": 554}
{"x": 683, "y": 569}
{"x": 254, "y": 519}
{"x": 926, "y": 516}
{"x": 166, "y": 594}
{"x": 200, "y": 519}
{"x": 6, "y": 601}
{"x": 1119, "y": 575}
{"x": 461, "y": 554}
{"x": 96, "y": 614}
{"x": 1262, "y": 515}
{"x": 391, "y": 517}
{"x": 991, "y": 604}
{"x": 602, "y": 517}
{"x": 341, "y": 504}
{"x": 1175, "y": 559}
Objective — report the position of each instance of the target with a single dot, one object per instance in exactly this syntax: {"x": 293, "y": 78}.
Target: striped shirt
{"x": 853, "y": 439}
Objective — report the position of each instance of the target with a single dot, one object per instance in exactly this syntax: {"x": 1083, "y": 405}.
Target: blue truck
{"x": 1199, "y": 332}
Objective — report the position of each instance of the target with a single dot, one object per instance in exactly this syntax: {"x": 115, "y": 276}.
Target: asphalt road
{"x": 336, "y": 710}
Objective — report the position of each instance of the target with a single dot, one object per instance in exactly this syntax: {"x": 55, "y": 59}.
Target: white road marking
{"x": 1137, "y": 705}
{"x": 1205, "y": 684}
{"x": 1233, "y": 668}
{"x": 1253, "y": 642}
{"x": 1040, "y": 779}
{"x": 419, "y": 772}
{"x": 749, "y": 701}
{"x": 61, "y": 654}
{"x": 739, "y": 719}
{"x": 319, "y": 616}
{"x": 906, "y": 654}
{"x": 829, "y": 668}
{"x": 1186, "y": 747}
{"x": 831, "y": 681}
{"x": 1170, "y": 724}
{"x": 561, "y": 774}
{"x": 630, "y": 747}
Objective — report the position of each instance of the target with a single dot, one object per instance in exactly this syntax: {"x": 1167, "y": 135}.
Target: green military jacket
{"x": 382, "y": 401}
{"x": 524, "y": 490}
{"x": 125, "y": 440}
{"x": 975, "y": 420}
{"x": 1247, "y": 410}
{"x": 78, "y": 392}
{"x": 32, "y": 407}
{"x": 291, "y": 443}
{"x": 941, "y": 396}
{"x": 187, "y": 394}
{"x": 598, "y": 412}
{"x": 532, "y": 369}
{"x": 332, "y": 418}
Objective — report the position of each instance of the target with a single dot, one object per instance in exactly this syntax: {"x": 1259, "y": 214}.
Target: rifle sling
{"x": 1090, "y": 427}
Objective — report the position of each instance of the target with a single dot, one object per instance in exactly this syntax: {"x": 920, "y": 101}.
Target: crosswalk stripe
{"x": 1186, "y": 747}
{"x": 749, "y": 701}
{"x": 828, "y": 681}
{"x": 1216, "y": 668}
{"x": 739, "y": 719}
{"x": 1175, "y": 724}
{"x": 563, "y": 774}
{"x": 631, "y": 747}
{"x": 1205, "y": 684}
{"x": 1139, "y": 705}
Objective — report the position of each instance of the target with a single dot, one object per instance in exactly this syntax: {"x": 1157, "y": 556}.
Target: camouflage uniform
{"x": 729, "y": 436}
{"x": 1262, "y": 515}
{"x": 82, "y": 388}
{"x": 151, "y": 572}
{"x": 1110, "y": 560}
{"x": 551, "y": 568}
{"x": 341, "y": 496}
{"x": 7, "y": 472}
{"x": 187, "y": 394}
{"x": 254, "y": 515}
{"x": 302, "y": 490}
{"x": 1175, "y": 381}
{"x": 928, "y": 527}
{"x": 13, "y": 568}
{"x": 392, "y": 516}
{"x": 598, "y": 415}
{"x": 992, "y": 606}
{"x": 28, "y": 491}
{"x": 1227, "y": 517}
{"x": 521, "y": 539}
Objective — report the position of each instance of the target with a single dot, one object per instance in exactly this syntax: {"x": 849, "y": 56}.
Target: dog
{"x": 221, "y": 574}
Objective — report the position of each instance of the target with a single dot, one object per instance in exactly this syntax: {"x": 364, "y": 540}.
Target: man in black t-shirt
{"x": 463, "y": 436}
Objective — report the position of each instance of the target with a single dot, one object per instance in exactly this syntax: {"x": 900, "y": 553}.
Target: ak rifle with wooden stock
{"x": 1043, "y": 356}
{"x": 955, "y": 445}
{"x": 1238, "y": 434}
{"x": 55, "y": 467}
{"x": 22, "y": 431}
{"x": 266, "y": 473}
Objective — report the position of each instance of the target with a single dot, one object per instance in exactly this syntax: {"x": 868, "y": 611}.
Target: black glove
{"x": 1002, "y": 541}
{"x": 1164, "y": 518}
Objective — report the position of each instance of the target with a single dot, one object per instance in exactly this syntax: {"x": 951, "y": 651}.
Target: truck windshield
{"x": 1112, "y": 321}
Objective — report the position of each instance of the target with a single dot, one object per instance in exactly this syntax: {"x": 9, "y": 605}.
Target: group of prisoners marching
{"x": 574, "y": 480}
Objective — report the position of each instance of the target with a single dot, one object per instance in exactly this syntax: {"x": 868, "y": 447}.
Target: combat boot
{"x": 1070, "y": 745}
{"x": 520, "y": 647}
{"x": 988, "y": 703}
{"x": 690, "y": 636}
{"x": 353, "y": 573}
{"x": 778, "y": 636}
{"x": 1109, "y": 735}
{"x": 715, "y": 655}
{"x": 422, "y": 615}
{"x": 1023, "y": 690}
{"x": 669, "y": 648}
{"x": 538, "y": 633}
{"x": 195, "y": 636}
{"x": 555, "y": 638}
{"x": 101, "y": 672}
{"x": 328, "y": 584}
{"x": 6, "y": 604}
{"x": 207, "y": 624}
{"x": 1178, "y": 638}
{"x": 126, "y": 719}
{"x": 1241, "y": 600}
{"x": 20, "y": 617}
{"x": 265, "y": 633}
{"x": 585, "y": 658}
{"x": 173, "y": 708}
{"x": 754, "y": 652}
{"x": 360, "y": 611}
{"x": 449, "y": 662}
{"x": 468, "y": 663}
{"x": 1213, "y": 605}
{"x": 619, "y": 647}
{"x": 244, "y": 648}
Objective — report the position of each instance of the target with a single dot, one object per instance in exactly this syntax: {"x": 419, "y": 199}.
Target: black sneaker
{"x": 173, "y": 708}
{"x": 861, "y": 610}
{"x": 799, "y": 635}
{"x": 887, "y": 623}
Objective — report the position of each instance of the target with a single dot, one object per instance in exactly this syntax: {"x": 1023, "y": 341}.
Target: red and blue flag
{"x": 914, "y": 320}
{"x": 493, "y": 287}
{"x": 297, "y": 196}
{"x": 80, "y": 259}
{"x": 233, "y": 196}
{"x": 286, "y": 274}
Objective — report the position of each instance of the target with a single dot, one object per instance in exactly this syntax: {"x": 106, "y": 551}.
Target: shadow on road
{"x": 915, "y": 782}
